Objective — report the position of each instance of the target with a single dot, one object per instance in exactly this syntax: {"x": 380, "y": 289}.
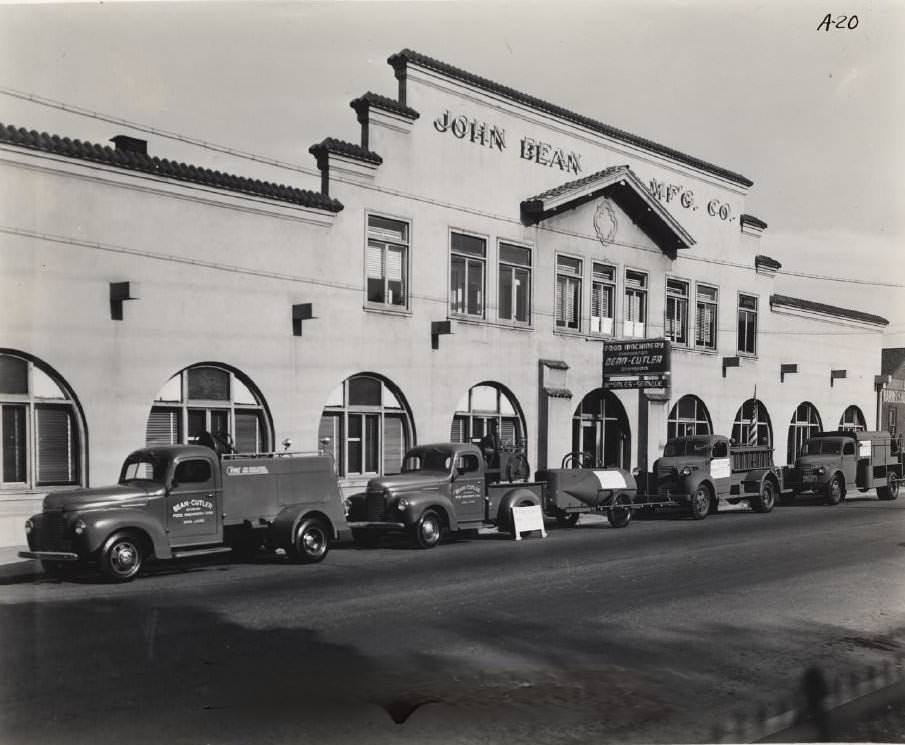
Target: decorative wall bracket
{"x": 301, "y": 312}
{"x": 786, "y": 370}
{"x": 438, "y": 329}
{"x": 837, "y": 375}
{"x": 730, "y": 362}
{"x": 119, "y": 293}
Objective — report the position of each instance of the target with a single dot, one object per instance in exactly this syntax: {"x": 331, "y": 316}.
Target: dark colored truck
{"x": 831, "y": 462}
{"x": 442, "y": 487}
{"x": 187, "y": 500}
{"x": 697, "y": 472}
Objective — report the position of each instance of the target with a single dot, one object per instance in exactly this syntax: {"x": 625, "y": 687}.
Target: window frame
{"x": 614, "y": 287}
{"x": 686, "y": 299}
{"x": 386, "y": 307}
{"x": 645, "y": 294}
{"x": 579, "y": 305}
{"x": 748, "y": 312}
{"x": 482, "y": 316}
{"x": 500, "y": 263}
{"x": 716, "y": 316}
{"x": 32, "y": 404}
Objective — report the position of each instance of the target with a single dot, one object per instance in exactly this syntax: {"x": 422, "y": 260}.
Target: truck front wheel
{"x": 835, "y": 490}
{"x": 427, "y": 530}
{"x": 312, "y": 541}
{"x": 121, "y": 557}
{"x": 700, "y": 502}
{"x": 891, "y": 490}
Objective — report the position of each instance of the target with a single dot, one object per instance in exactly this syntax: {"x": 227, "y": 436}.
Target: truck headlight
{"x": 821, "y": 470}
{"x": 402, "y": 503}
{"x": 29, "y": 526}
{"x": 347, "y": 506}
{"x": 79, "y": 527}
{"x": 686, "y": 471}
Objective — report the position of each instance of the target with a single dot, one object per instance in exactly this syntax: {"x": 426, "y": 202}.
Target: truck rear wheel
{"x": 835, "y": 490}
{"x": 891, "y": 490}
{"x": 312, "y": 541}
{"x": 700, "y": 502}
{"x": 121, "y": 557}
{"x": 427, "y": 530}
{"x": 764, "y": 501}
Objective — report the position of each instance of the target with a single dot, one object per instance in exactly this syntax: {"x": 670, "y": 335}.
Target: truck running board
{"x": 187, "y": 552}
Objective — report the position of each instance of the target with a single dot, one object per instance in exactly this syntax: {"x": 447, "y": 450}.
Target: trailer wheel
{"x": 835, "y": 490}
{"x": 701, "y": 501}
{"x": 427, "y": 530}
{"x": 620, "y": 514}
{"x": 891, "y": 490}
{"x": 568, "y": 519}
{"x": 121, "y": 557}
{"x": 312, "y": 541}
{"x": 764, "y": 501}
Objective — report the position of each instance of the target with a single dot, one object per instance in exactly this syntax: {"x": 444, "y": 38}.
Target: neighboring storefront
{"x": 454, "y": 274}
{"x": 891, "y": 391}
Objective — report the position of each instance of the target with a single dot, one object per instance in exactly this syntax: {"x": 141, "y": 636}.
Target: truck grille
{"x": 665, "y": 481}
{"x": 50, "y": 536}
{"x": 376, "y": 507}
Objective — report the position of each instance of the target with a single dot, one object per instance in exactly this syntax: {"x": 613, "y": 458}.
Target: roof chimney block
{"x": 130, "y": 144}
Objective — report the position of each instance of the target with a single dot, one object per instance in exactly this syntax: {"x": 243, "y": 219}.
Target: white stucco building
{"x": 144, "y": 301}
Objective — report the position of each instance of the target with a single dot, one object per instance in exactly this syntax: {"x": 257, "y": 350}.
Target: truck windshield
{"x": 822, "y": 447}
{"x": 143, "y": 467}
{"x": 426, "y": 460}
{"x": 687, "y": 446}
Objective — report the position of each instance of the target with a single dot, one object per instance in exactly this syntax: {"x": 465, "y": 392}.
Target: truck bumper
{"x": 49, "y": 555}
{"x": 377, "y": 526}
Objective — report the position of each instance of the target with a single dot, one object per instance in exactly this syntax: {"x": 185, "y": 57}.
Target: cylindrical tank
{"x": 569, "y": 487}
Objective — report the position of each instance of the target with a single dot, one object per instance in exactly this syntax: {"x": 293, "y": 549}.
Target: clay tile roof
{"x": 161, "y": 167}
{"x": 377, "y": 101}
{"x": 576, "y": 184}
{"x": 768, "y": 261}
{"x": 829, "y": 310}
{"x": 752, "y": 220}
{"x": 400, "y": 59}
{"x": 341, "y": 147}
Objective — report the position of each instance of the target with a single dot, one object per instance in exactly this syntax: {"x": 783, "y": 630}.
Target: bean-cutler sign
{"x": 494, "y": 138}
{"x": 636, "y": 364}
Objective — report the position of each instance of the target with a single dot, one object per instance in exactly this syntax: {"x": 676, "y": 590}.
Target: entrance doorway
{"x": 600, "y": 429}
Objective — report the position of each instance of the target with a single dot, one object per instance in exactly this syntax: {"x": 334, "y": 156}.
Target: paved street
{"x": 652, "y": 633}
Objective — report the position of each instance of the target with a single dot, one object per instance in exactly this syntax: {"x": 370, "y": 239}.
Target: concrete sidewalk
{"x": 12, "y": 566}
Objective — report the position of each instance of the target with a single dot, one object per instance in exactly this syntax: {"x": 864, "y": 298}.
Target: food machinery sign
{"x": 636, "y": 364}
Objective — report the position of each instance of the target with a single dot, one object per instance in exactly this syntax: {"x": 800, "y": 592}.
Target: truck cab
{"x": 696, "y": 472}
{"x": 187, "y": 500}
{"x": 832, "y": 462}
{"x": 442, "y": 487}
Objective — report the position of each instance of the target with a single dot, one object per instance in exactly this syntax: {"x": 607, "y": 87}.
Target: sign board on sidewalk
{"x": 525, "y": 519}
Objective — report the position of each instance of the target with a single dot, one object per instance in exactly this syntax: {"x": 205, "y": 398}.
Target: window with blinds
{"x": 386, "y": 258}
{"x": 688, "y": 417}
{"x": 676, "y": 320}
{"x": 164, "y": 427}
{"x": 515, "y": 283}
{"x": 603, "y": 296}
{"x": 747, "y": 324}
{"x": 706, "y": 318}
{"x": 466, "y": 275}
{"x": 39, "y": 429}
{"x": 635, "y": 320}
{"x": 567, "y": 300}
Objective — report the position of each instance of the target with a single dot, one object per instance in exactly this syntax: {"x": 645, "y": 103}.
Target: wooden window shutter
{"x": 56, "y": 446}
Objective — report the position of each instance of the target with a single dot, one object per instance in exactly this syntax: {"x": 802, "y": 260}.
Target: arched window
{"x": 484, "y": 407}
{"x": 752, "y": 424}
{"x": 211, "y": 398}
{"x": 600, "y": 429}
{"x": 688, "y": 417}
{"x": 368, "y": 425}
{"x": 41, "y": 429}
{"x": 805, "y": 423}
{"x": 852, "y": 420}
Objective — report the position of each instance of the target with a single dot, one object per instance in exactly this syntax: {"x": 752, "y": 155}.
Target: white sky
{"x": 814, "y": 118}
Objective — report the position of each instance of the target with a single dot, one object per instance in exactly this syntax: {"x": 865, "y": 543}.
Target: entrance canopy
{"x": 623, "y": 186}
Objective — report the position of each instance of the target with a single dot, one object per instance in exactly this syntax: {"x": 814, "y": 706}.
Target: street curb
{"x": 19, "y": 568}
{"x": 785, "y": 715}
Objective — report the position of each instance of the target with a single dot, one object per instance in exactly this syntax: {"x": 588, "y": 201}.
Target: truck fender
{"x": 285, "y": 525}
{"x": 518, "y": 496}
{"x": 419, "y": 503}
{"x": 104, "y": 524}
{"x": 695, "y": 479}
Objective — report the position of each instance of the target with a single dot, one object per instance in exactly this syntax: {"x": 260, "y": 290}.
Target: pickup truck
{"x": 443, "y": 487}
{"x": 696, "y": 472}
{"x": 188, "y": 500}
{"x": 831, "y": 462}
